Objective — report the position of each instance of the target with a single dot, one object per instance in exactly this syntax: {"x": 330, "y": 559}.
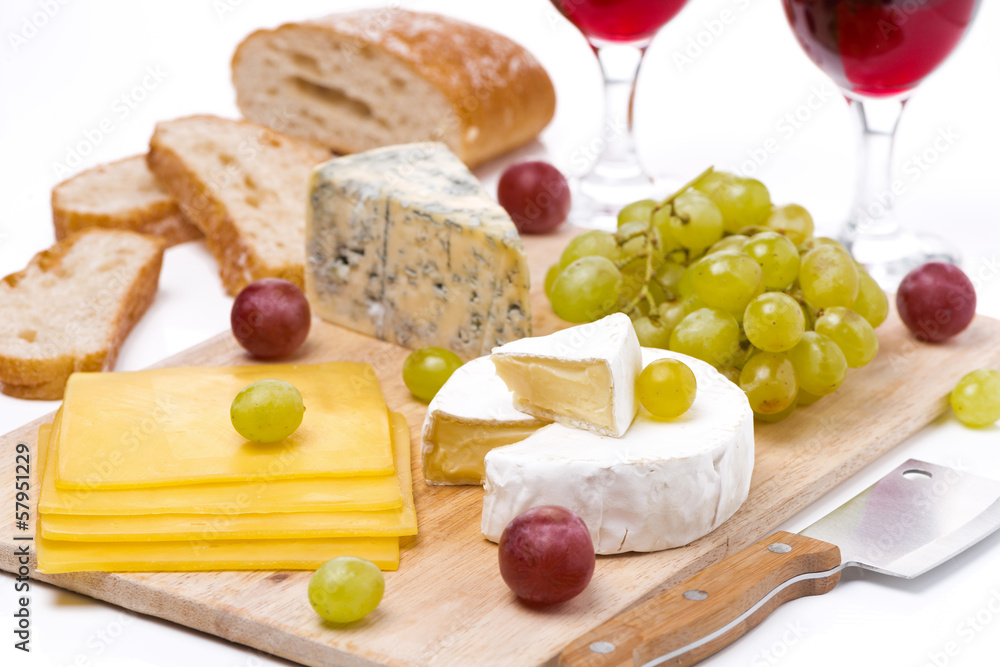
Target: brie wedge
{"x": 663, "y": 485}
{"x": 583, "y": 377}
{"x": 470, "y": 415}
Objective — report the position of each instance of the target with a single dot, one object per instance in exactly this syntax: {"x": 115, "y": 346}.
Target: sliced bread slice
{"x": 119, "y": 195}
{"x": 244, "y": 186}
{"x": 71, "y": 308}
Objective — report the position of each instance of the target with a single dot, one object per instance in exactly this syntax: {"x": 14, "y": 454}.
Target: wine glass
{"x": 619, "y": 31}
{"x": 878, "y": 51}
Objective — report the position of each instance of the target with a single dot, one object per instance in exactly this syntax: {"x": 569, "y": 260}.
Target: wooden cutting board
{"x": 447, "y": 604}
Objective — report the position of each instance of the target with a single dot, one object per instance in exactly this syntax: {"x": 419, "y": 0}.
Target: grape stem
{"x": 647, "y": 250}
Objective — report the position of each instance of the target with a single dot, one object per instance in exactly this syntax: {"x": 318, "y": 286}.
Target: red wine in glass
{"x": 879, "y": 47}
{"x": 619, "y": 32}
{"x": 619, "y": 20}
{"x": 878, "y": 52}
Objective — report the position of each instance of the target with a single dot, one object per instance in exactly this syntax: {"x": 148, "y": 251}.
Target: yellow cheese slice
{"x": 175, "y": 527}
{"x": 171, "y": 426}
{"x": 55, "y": 556}
{"x": 42, "y": 448}
{"x": 229, "y": 498}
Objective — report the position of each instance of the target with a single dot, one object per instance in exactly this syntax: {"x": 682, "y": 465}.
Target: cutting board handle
{"x": 707, "y": 602}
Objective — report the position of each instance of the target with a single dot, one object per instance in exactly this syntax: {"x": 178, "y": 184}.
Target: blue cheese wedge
{"x": 664, "y": 484}
{"x": 582, "y": 377}
{"x": 403, "y": 243}
{"x": 470, "y": 415}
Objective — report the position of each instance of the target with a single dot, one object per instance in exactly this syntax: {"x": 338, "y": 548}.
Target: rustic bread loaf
{"x": 373, "y": 78}
{"x": 119, "y": 195}
{"x": 71, "y": 308}
{"x": 244, "y": 186}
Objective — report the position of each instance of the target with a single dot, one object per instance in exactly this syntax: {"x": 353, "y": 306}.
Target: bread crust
{"x": 45, "y": 377}
{"x": 239, "y": 263}
{"x": 500, "y": 95}
{"x": 160, "y": 218}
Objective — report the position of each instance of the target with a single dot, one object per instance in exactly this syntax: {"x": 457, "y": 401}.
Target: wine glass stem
{"x": 620, "y": 67}
{"x": 875, "y": 192}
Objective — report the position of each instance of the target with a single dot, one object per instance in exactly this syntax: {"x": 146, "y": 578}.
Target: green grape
{"x": 550, "y": 277}
{"x": 776, "y": 416}
{"x": 727, "y": 281}
{"x": 267, "y": 411}
{"x": 346, "y": 589}
{"x": 660, "y": 219}
{"x": 664, "y": 236}
{"x": 633, "y": 276}
{"x": 426, "y": 370}
{"x": 806, "y": 399}
{"x": 696, "y": 223}
{"x": 792, "y": 221}
{"x": 828, "y": 278}
{"x": 630, "y": 231}
{"x": 819, "y": 364}
{"x": 976, "y": 398}
{"x": 733, "y": 242}
{"x": 656, "y": 293}
{"x": 817, "y": 241}
{"x": 662, "y": 245}
{"x": 752, "y": 230}
{"x": 668, "y": 276}
{"x": 778, "y": 259}
{"x": 666, "y": 388}
{"x": 774, "y": 322}
{"x": 655, "y": 330}
{"x": 641, "y": 211}
{"x": 684, "y": 287}
{"x": 650, "y": 333}
{"x": 852, "y": 333}
{"x": 742, "y": 201}
{"x": 708, "y": 334}
{"x": 594, "y": 242}
{"x": 796, "y": 293}
{"x": 692, "y": 303}
{"x": 871, "y": 303}
{"x": 665, "y": 243}
{"x": 670, "y": 314}
{"x": 587, "y": 290}
{"x": 635, "y": 240}
{"x": 768, "y": 379}
{"x": 712, "y": 180}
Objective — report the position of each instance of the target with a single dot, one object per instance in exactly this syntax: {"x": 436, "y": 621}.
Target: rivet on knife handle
{"x": 707, "y": 602}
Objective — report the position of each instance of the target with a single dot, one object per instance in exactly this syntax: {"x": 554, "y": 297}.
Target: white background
{"x": 73, "y": 68}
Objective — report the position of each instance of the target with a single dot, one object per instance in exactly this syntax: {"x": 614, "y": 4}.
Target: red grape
{"x": 270, "y": 318}
{"x": 936, "y": 301}
{"x": 546, "y": 555}
{"x": 536, "y": 195}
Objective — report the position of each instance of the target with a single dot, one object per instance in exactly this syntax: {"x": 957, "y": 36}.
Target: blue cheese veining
{"x": 403, "y": 243}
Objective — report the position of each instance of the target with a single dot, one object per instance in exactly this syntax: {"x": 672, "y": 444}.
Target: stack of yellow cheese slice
{"x": 144, "y": 472}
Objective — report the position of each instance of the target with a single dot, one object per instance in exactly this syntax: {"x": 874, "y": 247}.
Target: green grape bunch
{"x": 718, "y": 272}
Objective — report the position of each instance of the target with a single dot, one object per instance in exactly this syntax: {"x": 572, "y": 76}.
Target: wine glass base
{"x": 596, "y": 201}
{"x": 889, "y": 258}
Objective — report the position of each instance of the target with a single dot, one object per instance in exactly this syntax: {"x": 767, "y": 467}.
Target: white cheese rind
{"x": 403, "y": 243}
{"x": 664, "y": 484}
{"x": 610, "y": 341}
{"x": 473, "y": 395}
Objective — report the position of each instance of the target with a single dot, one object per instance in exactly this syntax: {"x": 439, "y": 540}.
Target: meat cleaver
{"x": 910, "y": 521}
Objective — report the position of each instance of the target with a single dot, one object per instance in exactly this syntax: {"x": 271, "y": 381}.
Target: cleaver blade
{"x": 910, "y": 521}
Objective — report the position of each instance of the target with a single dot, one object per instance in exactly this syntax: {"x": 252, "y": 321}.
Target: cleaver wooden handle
{"x": 707, "y": 602}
